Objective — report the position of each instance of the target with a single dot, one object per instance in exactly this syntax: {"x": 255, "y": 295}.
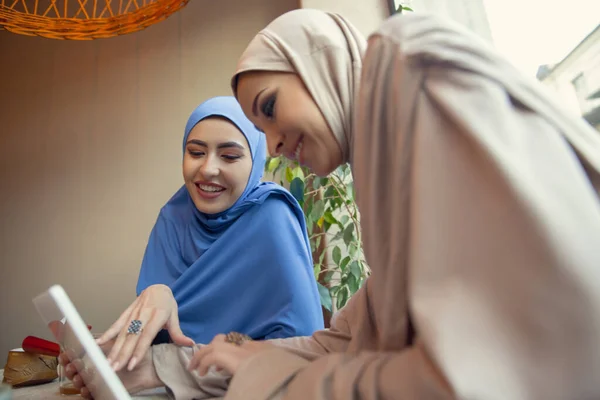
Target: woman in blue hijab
{"x": 227, "y": 253}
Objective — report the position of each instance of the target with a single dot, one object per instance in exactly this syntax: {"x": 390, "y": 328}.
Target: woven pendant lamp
{"x": 83, "y": 19}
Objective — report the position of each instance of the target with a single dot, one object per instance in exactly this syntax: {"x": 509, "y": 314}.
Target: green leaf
{"x": 328, "y": 276}
{"x": 298, "y": 173}
{"x": 361, "y": 283}
{"x": 334, "y": 290}
{"x": 337, "y": 255}
{"x": 355, "y": 269}
{"x": 337, "y": 236}
{"x": 325, "y": 296}
{"x": 330, "y": 192}
{"x": 289, "y": 174}
{"x": 322, "y": 257}
{"x": 273, "y": 164}
{"x": 344, "y": 219}
{"x": 349, "y": 234}
{"x": 407, "y": 8}
{"x": 352, "y": 284}
{"x": 297, "y": 189}
{"x": 308, "y": 205}
{"x": 344, "y": 263}
{"x": 317, "y": 271}
{"x": 316, "y": 184}
{"x": 351, "y": 191}
{"x": 342, "y": 297}
{"x": 318, "y": 209}
{"x": 352, "y": 249}
{"x": 330, "y": 218}
{"x": 317, "y": 242}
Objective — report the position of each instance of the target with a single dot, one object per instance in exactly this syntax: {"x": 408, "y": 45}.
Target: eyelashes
{"x": 226, "y": 157}
{"x": 231, "y": 158}
{"x": 268, "y": 107}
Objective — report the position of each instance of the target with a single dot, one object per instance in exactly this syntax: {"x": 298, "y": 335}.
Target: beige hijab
{"x": 309, "y": 42}
{"x": 480, "y": 212}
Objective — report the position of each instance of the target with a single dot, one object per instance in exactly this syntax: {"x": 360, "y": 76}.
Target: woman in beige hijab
{"x": 479, "y": 201}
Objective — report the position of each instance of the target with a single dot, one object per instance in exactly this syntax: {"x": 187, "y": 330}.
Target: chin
{"x": 322, "y": 174}
{"x": 323, "y": 171}
{"x": 208, "y": 209}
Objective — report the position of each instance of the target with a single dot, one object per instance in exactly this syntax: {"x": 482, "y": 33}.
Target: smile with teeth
{"x": 210, "y": 188}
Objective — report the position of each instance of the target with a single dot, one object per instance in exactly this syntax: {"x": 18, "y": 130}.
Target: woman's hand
{"x": 142, "y": 378}
{"x": 225, "y": 356}
{"x": 156, "y": 308}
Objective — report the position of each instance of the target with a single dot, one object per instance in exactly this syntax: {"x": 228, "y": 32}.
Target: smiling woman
{"x": 223, "y": 235}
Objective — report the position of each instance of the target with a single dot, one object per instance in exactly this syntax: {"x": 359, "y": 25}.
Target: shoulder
{"x": 277, "y": 217}
{"x": 390, "y": 28}
{"x": 416, "y": 32}
{"x": 278, "y": 207}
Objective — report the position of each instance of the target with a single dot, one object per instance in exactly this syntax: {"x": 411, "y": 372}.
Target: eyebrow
{"x": 254, "y": 105}
{"x": 224, "y": 145}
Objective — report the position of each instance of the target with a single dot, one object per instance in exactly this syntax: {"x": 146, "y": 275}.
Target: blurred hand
{"x": 141, "y": 378}
{"x": 156, "y": 308}
{"x": 225, "y": 356}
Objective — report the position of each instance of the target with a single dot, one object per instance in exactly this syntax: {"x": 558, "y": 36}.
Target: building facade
{"x": 576, "y": 78}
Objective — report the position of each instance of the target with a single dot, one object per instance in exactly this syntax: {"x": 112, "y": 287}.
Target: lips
{"x": 209, "y": 190}
{"x": 297, "y": 150}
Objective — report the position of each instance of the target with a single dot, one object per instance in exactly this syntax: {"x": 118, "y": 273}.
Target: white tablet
{"x": 67, "y": 326}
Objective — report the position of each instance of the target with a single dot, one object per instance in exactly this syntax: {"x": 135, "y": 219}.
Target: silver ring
{"x": 135, "y": 327}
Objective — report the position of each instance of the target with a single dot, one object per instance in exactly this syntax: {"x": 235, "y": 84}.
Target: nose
{"x": 274, "y": 142}
{"x": 210, "y": 167}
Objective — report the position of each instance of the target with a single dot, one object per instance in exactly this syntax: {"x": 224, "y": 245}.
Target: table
{"x": 49, "y": 391}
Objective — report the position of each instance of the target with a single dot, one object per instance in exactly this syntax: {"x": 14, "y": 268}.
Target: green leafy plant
{"x": 332, "y": 221}
{"x": 397, "y": 7}
{"x": 403, "y": 8}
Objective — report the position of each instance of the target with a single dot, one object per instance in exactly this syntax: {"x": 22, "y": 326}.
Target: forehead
{"x": 217, "y": 130}
{"x": 249, "y": 84}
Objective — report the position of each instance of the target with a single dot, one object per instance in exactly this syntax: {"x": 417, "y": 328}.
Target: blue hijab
{"x": 246, "y": 269}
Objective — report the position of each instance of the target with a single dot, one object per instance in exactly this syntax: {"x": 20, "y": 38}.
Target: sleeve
{"x": 294, "y": 306}
{"x": 170, "y": 363}
{"x": 331, "y": 365}
{"x": 162, "y": 257}
{"x": 335, "y": 339}
{"x": 278, "y": 374}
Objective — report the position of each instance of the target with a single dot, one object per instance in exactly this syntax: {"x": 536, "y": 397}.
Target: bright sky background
{"x": 535, "y": 32}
